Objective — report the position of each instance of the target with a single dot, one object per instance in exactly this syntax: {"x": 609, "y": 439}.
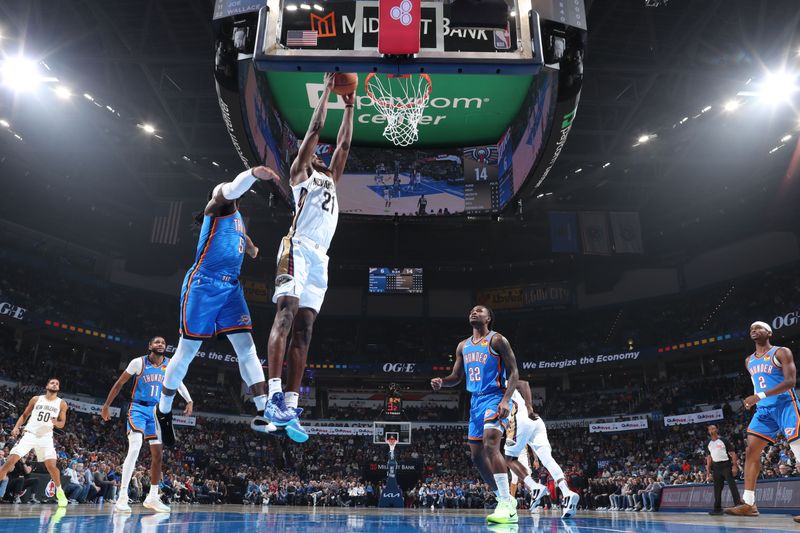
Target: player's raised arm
{"x": 500, "y": 345}
{"x": 225, "y": 194}
{"x": 456, "y": 375}
{"x": 786, "y": 359}
{"x": 24, "y": 416}
{"x": 61, "y": 421}
{"x": 343, "y": 140}
{"x": 105, "y": 414}
{"x": 524, "y": 388}
{"x": 297, "y": 171}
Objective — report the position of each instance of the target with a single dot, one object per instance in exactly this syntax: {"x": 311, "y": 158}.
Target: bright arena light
{"x": 148, "y": 128}
{"x": 63, "y": 92}
{"x": 731, "y": 105}
{"x": 643, "y": 139}
{"x": 4, "y": 123}
{"x": 778, "y": 87}
{"x": 786, "y": 138}
{"x": 20, "y": 74}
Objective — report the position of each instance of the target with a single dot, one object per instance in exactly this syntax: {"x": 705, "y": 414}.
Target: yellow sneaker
{"x": 61, "y": 497}
{"x": 504, "y": 513}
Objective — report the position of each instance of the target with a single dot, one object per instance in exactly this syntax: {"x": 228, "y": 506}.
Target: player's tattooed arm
{"x": 297, "y": 171}
{"x": 786, "y": 359}
{"x": 457, "y": 373}
{"x": 501, "y": 345}
{"x": 25, "y": 414}
{"x": 61, "y": 421}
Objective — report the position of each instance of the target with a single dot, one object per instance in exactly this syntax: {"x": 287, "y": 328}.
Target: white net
{"x": 401, "y": 100}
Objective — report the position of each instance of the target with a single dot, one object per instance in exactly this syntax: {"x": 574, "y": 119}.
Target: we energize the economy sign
{"x": 463, "y": 110}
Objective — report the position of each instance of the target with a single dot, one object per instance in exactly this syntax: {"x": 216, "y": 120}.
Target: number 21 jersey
{"x": 316, "y": 209}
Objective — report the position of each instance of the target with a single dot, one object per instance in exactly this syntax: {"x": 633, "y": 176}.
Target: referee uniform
{"x": 720, "y": 467}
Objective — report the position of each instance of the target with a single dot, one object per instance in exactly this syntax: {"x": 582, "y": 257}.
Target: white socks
{"x": 562, "y": 484}
{"x": 261, "y": 402}
{"x": 274, "y": 387}
{"x": 502, "y": 486}
{"x": 531, "y": 484}
{"x": 134, "y": 447}
{"x": 292, "y": 399}
{"x": 749, "y": 497}
{"x": 153, "y": 490}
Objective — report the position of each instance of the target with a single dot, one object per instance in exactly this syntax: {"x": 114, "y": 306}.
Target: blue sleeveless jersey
{"x": 220, "y": 249}
{"x": 766, "y": 373}
{"x": 147, "y": 387}
{"x": 483, "y": 367}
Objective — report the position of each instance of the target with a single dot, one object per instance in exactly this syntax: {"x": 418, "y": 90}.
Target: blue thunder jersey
{"x": 483, "y": 367}
{"x": 766, "y": 373}
{"x": 220, "y": 249}
{"x": 147, "y": 387}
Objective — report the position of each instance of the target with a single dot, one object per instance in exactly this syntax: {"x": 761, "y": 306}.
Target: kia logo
{"x": 399, "y": 367}
{"x": 391, "y": 494}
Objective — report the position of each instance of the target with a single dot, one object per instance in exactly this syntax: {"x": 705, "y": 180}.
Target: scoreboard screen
{"x": 384, "y": 280}
{"x": 394, "y": 406}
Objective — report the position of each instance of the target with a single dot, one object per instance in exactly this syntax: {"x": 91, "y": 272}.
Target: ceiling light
{"x": 643, "y": 139}
{"x": 88, "y": 97}
{"x": 319, "y": 7}
{"x": 20, "y": 74}
{"x": 731, "y": 105}
{"x": 606, "y": 165}
{"x": 778, "y": 87}
{"x": 578, "y": 170}
{"x": 4, "y": 123}
{"x": 63, "y": 92}
{"x": 305, "y": 6}
{"x": 786, "y": 138}
{"x": 684, "y": 119}
{"x": 215, "y": 163}
{"x": 148, "y": 128}
{"x": 706, "y": 109}
{"x": 513, "y": 13}
{"x": 291, "y": 7}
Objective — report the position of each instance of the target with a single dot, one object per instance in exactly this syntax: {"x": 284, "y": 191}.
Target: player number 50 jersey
{"x": 44, "y": 413}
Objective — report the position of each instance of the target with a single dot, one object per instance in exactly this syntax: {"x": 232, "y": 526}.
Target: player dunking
{"x": 527, "y": 428}
{"x": 212, "y": 300}
{"x": 491, "y": 369}
{"x": 301, "y": 277}
{"x": 773, "y": 373}
{"x": 43, "y": 413}
{"x": 141, "y": 425}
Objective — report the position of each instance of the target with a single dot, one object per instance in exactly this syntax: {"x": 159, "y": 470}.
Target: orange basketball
{"x": 345, "y": 83}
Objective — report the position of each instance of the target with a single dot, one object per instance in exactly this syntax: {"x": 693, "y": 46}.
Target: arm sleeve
{"x": 135, "y": 367}
{"x": 184, "y": 392}
{"x": 240, "y": 185}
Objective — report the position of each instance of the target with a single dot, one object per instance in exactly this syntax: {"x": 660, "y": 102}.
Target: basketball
{"x": 345, "y": 83}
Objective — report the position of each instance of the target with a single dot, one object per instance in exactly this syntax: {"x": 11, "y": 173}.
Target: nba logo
{"x": 50, "y": 489}
{"x": 789, "y": 432}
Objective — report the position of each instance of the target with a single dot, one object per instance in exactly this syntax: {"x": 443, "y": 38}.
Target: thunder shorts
{"x": 782, "y": 417}
{"x": 212, "y": 305}
{"x": 302, "y": 272}
{"x": 42, "y": 446}
{"x": 141, "y": 418}
{"x": 483, "y": 415}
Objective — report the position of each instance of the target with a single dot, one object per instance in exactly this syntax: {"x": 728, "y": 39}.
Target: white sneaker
{"x": 122, "y": 506}
{"x": 571, "y": 500}
{"x": 155, "y": 504}
{"x": 537, "y": 494}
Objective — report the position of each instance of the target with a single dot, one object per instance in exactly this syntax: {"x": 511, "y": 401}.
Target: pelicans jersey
{"x": 774, "y": 414}
{"x": 38, "y": 434}
{"x": 212, "y": 300}
{"x": 486, "y": 380}
{"x": 302, "y": 269}
{"x": 145, "y": 393}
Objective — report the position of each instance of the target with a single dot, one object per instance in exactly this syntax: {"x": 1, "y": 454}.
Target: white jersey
{"x": 317, "y": 211}
{"x": 40, "y": 423}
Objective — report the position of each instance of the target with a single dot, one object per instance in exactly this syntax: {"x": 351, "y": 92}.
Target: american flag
{"x": 301, "y": 38}
{"x": 165, "y": 228}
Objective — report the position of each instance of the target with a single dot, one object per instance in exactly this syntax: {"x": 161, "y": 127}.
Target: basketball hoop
{"x": 392, "y": 442}
{"x": 401, "y": 99}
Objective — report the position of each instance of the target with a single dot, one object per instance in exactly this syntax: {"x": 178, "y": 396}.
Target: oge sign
{"x": 14, "y": 311}
{"x": 785, "y": 321}
{"x": 399, "y": 367}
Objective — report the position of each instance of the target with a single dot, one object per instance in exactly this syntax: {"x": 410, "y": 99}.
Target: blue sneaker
{"x": 286, "y": 418}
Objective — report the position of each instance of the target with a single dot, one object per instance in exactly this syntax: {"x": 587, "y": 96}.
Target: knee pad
{"x": 179, "y": 363}
{"x": 249, "y": 365}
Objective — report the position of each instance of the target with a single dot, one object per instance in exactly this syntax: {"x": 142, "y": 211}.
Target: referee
{"x": 722, "y": 465}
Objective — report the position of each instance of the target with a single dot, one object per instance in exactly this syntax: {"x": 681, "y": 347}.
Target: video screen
{"x": 385, "y": 280}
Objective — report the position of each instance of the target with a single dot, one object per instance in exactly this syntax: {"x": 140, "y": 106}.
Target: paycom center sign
{"x": 463, "y": 109}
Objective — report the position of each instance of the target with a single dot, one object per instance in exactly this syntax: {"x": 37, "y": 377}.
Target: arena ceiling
{"x": 646, "y": 69}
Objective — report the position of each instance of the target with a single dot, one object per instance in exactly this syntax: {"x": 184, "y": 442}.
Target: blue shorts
{"x": 141, "y": 419}
{"x": 783, "y": 417}
{"x": 483, "y": 415}
{"x": 212, "y": 306}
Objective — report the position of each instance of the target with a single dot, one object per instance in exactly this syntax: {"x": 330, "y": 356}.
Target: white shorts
{"x": 527, "y": 431}
{"x": 302, "y": 272}
{"x": 42, "y": 446}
